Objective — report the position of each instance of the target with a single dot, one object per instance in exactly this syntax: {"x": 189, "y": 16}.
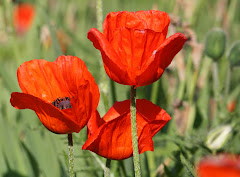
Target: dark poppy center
{"x": 62, "y": 103}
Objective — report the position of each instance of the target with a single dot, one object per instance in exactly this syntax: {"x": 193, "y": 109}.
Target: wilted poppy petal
{"x": 112, "y": 63}
{"x": 113, "y": 138}
{"x": 52, "y": 118}
{"x": 42, "y": 79}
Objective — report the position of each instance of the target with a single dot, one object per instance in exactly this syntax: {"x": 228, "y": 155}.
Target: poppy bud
{"x": 215, "y": 43}
{"x": 234, "y": 53}
{"x": 218, "y": 136}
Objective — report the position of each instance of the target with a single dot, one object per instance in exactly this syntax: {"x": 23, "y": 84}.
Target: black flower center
{"x": 62, "y": 103}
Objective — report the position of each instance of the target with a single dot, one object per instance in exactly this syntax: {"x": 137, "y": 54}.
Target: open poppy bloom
{"x": 63, "y": 93}
{"x": 111, "y": 136}
{"x": 219, "y": 166}
{"x": 23, "y": 16}
{"x": 134, "y": 47}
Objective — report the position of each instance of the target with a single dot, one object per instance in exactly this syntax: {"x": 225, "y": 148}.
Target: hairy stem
{"x": 70, "y": 155}
{"x": 136, "y": 160}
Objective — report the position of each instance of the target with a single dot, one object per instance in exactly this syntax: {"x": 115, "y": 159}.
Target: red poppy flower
{"x": 134, "y": 47}
{"x": 219, "y": 166}
{"x": 111, "y": 138}
{"x": 63, "y": 93}
{"x": 23, "y": 15}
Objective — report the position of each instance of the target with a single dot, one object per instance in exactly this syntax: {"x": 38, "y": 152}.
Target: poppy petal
{"x": 135, "y": 54}
{"x": 52, "y": 118}
{"x": 94, "y": 123}
{"x": 41, "y": 79}
{"x": 118, "y": 109}
{"x": 113, "y": 138}
{"x": 23, "y": 16}
{"x": 219, "y": 166}
{"x": 153, "y": 114}
{"x": 78, "y": 78}
{"x": 154, "y": 20}
{"x": 111, "y": 60}
{"x": 160, "y": 59}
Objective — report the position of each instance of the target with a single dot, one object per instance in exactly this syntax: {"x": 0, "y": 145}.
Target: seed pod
{"x": 215, "y": 43}
{"x": 234, "y": 54}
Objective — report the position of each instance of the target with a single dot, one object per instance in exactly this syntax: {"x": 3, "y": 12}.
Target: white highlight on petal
{"x": 154, "y": 52}
{"x": 142, "y": 31}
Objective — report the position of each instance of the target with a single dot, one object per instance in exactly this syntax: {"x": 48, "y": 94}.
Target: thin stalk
{"x": 151, "y": 163}
{"x": 216, "y": 85}
{"x": 113, "y": 91}
{"x": 154, "y": 91}
{"x": 123, "y": 170}
{"x": 99, "y": 9}
{"x": 136, "y": 160}
{"x": 104, "y": 82}
{"x": 107, "y": 170}
{"x": 193, "y": 86}
{"x": 228, "y": 80}
{"x": 150, "y": 155}
{"x": 99, "y": 14}
{"x": 70, "y": 155}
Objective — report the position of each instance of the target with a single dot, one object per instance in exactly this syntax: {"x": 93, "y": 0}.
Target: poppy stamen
{"x": 62, "y": 103}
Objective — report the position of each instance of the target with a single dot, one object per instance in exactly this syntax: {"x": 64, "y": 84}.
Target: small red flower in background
{"x": 23, "y": 16}
{"x": 111, "y": 137}
{"x": 220, "y": 166}
{"x": 134, "y": 47}
{"x": 63, "y": 93}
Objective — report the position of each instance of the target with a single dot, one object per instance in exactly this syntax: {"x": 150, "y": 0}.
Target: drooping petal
{"x": 112, "y": 62}
{"x": 113, "y": 138}
{"x": 54, "y": 119}
{"x": 153, "y": 114}
{"x": 110, "y": 140}
{"x": 160, "y": 59}
{"x": 41, "y": 79}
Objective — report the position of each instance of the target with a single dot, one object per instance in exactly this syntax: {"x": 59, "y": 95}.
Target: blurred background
{"x": 200, "y": 89}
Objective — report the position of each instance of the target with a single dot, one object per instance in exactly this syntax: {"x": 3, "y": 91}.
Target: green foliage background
{"x": 28, "y": 149}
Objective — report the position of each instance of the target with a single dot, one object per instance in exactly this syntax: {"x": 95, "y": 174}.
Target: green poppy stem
{"x": 136, "y": 160}
{"x": 70, "y": 155}
{"x": 107, "y": 168}
{"x": 216, "y": 86}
